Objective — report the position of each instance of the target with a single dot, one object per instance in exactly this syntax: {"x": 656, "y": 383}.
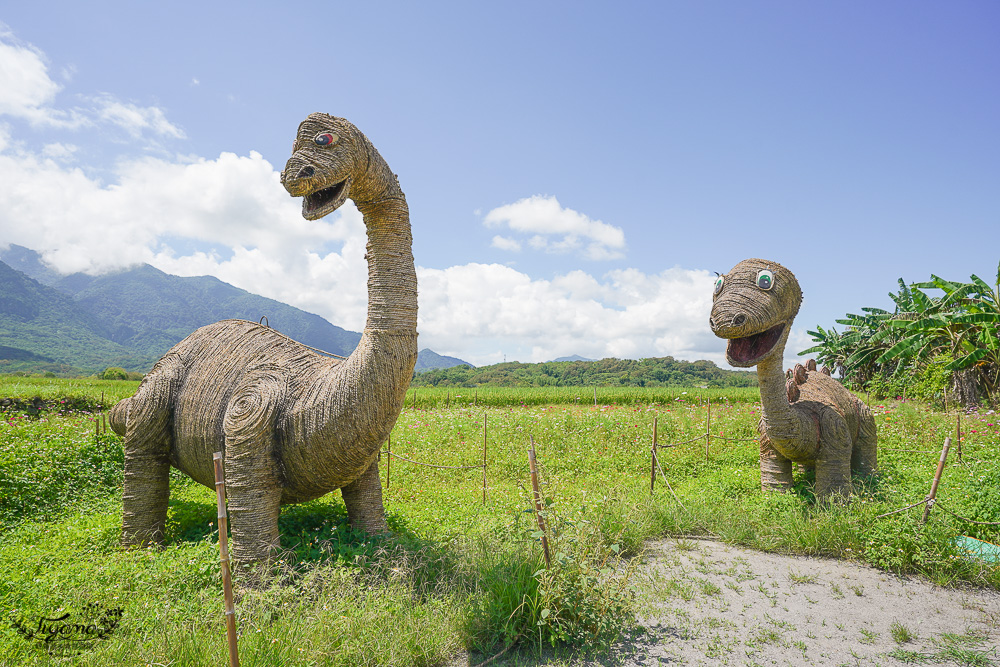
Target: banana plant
{"x": 962, "y": 322}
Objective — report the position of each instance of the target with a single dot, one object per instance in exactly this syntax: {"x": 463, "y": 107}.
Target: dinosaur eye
{"x": 326, "y": 139}
{"x": 718, "y": 284}
{"x": 765, "y": 279}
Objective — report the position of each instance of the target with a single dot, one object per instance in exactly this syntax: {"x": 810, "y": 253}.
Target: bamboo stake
{"x": 484, "y": 458}
{"x": 538, "y": 501}
{"x": 937, "y": 480}
{"x": 388, "y": 460}
{"x": 595, "y": 397}
{"x": 227, "y": 582}
{"x": 958, "y": 436}
{"x": 708, "y": 430}
{"x": 652, "y": 474}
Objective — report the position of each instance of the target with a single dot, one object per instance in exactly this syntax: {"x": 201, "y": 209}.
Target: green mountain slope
{"x": 428, "y": 359}
{"x": 148, "y": 310}
{"x": 44, "y": 329}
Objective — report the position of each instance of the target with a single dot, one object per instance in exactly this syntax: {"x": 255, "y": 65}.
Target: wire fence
{"x": 656, "y": 469}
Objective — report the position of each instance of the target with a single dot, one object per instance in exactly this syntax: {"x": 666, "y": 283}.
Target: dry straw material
{"x": 808, "y": 417}
{"x": 293, "y": 424}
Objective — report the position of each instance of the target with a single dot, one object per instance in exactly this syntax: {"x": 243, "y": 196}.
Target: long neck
{"x": 392, "y": 280}
{"x": 789, "y": 430}
{"x": 350, "y": 411}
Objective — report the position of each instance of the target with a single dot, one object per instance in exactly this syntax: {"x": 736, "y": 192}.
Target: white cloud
{"x": 30, "y": 94}
{"x": 624, "y": 314}
{"x": 57, "y": 151}
{"x": 28, "y": 91}
{"x": 504, "y": 243}
{"x": 133, "y": 119}
{"x": 559, "y": 230}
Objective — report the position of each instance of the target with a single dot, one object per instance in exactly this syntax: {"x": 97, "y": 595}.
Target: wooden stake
{"x": 388, "y": 460}
{"x": 708, "y": 430}
{"x": 652, "y": 475}
{"x": 484, "y": 458}
{"x": 595, "y": 397}
{"x": 447, "y": 400}
{"x": 958, "y": 436}
{"x": 227, "y": 581}
{"x": 937, "y": 480}
{"x": 538, "y": 501}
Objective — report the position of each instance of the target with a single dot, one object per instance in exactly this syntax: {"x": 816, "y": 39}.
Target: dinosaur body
{"x": 808, "y": 418}
{"x": 293, "y": 424}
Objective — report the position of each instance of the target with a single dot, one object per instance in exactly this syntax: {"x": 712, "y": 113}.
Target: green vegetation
{"x": 43, "y": 330}
{"x": 942, "y": 336}
{"x": 459, "y": 573}
{"x": 652, "y": 372}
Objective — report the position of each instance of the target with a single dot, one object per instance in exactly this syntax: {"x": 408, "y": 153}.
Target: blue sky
{"x": 575, "y": 171}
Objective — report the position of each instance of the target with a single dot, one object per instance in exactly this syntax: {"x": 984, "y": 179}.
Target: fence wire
{"x": 431, "y": 465}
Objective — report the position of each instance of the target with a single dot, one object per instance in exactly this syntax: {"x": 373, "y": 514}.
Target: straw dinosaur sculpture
{"x": 808, "y": 417}
{"x": 293, "y": 424}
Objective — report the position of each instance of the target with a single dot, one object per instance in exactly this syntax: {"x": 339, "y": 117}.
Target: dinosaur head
{"x": 753, "y": 308}
{"x": 327, "y": 156}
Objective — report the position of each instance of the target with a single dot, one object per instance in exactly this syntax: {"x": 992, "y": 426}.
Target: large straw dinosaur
{"x": 293, "y": 424}
{"x": 809, "y": 418}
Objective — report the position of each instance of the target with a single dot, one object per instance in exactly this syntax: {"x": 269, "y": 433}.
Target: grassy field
{"x": 459, "y": 573}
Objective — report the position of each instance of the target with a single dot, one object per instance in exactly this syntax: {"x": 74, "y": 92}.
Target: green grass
{"x": 438, "y": 397}
{"x": 93, "y": 389}
{"x": 459, "y": 574}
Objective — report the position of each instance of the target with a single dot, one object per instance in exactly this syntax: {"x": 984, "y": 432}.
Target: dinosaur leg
{"x": 864, "y": 457}
{"x": 146, "y": 421}
{"x": 363, "y": 498}
{"x": 833, "y": 465}
{"x": 253, "y": 483}
{"x": 775, "y": 469}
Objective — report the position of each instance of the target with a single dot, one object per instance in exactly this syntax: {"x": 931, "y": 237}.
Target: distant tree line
{"x": 651, "y": 372}
{"x": 940, "y": 342}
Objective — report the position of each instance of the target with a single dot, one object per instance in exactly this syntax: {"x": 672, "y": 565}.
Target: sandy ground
{"x": 708, "y": 603}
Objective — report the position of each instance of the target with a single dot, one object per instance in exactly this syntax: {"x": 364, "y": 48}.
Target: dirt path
{"x": 708, "y": 603}
{"x": 714, "y": 604}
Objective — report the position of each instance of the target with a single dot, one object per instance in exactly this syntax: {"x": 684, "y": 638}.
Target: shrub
{"x": 584, "y": 598}
{"x": 114, "y": 373}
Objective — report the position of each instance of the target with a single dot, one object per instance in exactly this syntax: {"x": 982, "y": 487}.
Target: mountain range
{"x": 80, "y": 324}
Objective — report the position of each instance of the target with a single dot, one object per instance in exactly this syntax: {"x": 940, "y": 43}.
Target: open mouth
{"x": 749, "y": 349}
{"x": 319, "y": 203}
